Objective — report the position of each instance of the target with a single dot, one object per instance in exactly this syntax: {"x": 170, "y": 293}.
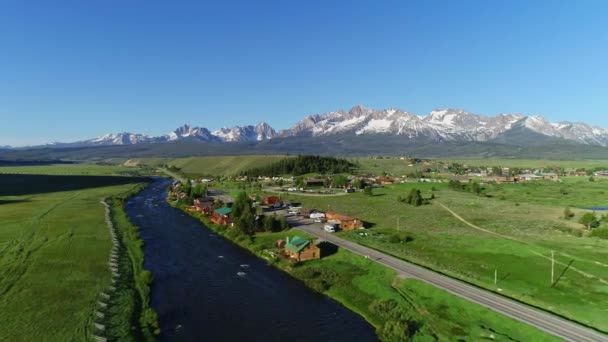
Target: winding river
{"x": 207, "y": 289}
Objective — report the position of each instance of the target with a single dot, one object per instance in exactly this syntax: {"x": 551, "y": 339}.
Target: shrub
{"x": 568, "y": 214}
{"x": 601, "y": 233}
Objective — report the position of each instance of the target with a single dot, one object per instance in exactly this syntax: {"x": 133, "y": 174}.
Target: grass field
{"x": 397, "y": 167}
{"x": 54, "y": 249}
{"x": 68, "y": 169}
{"x": 392, "y": 166}
{"x": 387, "y": 302}
{"x": 533, "y": 163}
{"x": 514, "y": 236}
{"x": 212, "y": 166}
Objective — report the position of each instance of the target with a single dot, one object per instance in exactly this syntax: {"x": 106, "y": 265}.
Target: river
{"x": 207, "y": 289}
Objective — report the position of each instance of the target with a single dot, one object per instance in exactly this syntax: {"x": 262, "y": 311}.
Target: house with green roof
{"x": 300, "y": 249}
{"x": 222, "y": 216}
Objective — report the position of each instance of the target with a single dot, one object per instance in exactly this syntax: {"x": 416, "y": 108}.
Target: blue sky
{"x": 71, "y": 70}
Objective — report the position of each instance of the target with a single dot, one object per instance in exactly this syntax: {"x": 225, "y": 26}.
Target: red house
{"x": 271, "y": 200}
{"x": 205, "y": 207}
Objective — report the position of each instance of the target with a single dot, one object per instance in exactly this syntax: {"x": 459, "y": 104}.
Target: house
{"x": 550, "y": 176}
{"x": 315, "y": 182}
{"x": 202, "y": 206}
{"x": 271, "y": 200}
{"x": 529, "y": 177}
{"x": 501, "y": 179}
{"x": 384, "y": 180}
{"x": 601, "y": 174}
{"x": 300, "y": 249}
{"x": 222, "y": 216}
{"x": 345, "y": 222}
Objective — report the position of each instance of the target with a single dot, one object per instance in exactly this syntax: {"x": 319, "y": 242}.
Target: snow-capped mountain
{"x": 261, "y": 131}
{"x": 439, "y": 125}
{"x": 120, "y": 139}
{"x": 186, "y": 131}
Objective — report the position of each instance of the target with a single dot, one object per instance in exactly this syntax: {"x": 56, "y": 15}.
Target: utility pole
{"x": 495, "y": 276}
{"x": 552, "y": 266}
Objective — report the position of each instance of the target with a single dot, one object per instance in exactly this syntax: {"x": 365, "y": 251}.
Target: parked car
{"x": 330, "y": 227}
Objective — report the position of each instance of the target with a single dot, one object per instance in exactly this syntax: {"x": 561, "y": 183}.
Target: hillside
{"x": 213, "y": 165}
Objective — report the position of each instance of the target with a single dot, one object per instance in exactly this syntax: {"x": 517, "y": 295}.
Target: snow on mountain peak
{"x": 438, "y": 125}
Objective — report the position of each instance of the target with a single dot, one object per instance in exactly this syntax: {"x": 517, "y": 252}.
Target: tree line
{"x": 247, "y": 220}
{"x": 302, "y": 165}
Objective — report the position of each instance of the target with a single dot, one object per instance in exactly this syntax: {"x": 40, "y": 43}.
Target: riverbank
{"x": 124, "y": 311}
{"x": 399, "y": 309}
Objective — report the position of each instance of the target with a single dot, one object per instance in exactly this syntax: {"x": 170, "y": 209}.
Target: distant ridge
{"x": 440, "y": 125}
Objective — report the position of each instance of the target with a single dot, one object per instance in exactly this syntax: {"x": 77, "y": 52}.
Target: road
{"x": 559, "y": 327}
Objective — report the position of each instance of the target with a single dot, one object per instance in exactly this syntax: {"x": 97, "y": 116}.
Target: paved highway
{"x": 551, "y": 324}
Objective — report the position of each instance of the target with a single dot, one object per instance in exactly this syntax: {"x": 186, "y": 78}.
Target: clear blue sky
{"x": 77, "y": 69}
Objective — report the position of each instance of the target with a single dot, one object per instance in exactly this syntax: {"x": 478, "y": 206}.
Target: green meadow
{"x": 471, "y": 237}
{"x": 68, "y": 169}
{"x": 212, "y": 165}
{"x": 54, "y": 248}
{"x": 399, "y": 309}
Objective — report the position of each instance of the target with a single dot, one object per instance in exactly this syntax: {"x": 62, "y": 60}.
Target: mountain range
{"x": 441, "y": 125}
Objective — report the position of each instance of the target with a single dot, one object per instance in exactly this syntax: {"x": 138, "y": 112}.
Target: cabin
{"x": 222, "y": 216}
{"x": 300, "y": 249}
{"x": 315, "y": 182}
{"x": 345, "y": 222}
{"x": 202, "y": 206}
{"x": 550, "y": 176}
{"x": 271, "y": 200}
{"x": 385, "y": 181}
{"x": 529, "y": 177}
{"x": 502, "y": 179}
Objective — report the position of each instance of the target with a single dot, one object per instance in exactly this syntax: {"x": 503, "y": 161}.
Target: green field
{"x": 390, "y": 165}
{"x": 211, "y": 166}
{"x": 54, "y": 247}
{"x": 392, "y": 305}
{"x": 533, "y": 163}
{"x": 513, "y": 235}
{"x": 69, "y": 169}
{"x": 398, "y": 167}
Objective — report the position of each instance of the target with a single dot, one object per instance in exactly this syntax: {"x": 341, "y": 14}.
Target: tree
{"x": 357, "y": 184}
{"x": 368, "y": 190}
{"x": 589, "y": 220}
{"x": 339, "y": 181}
{"x": 475, "y": 188}
{"x": 243, "y": 214}
{"x": 591, "y": 179}
{"x": 187, "y": 187}
{"x": 199, "y": 190}
{"x": 568, "y": 214}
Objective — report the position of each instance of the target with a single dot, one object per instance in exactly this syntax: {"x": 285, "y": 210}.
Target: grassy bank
{"x": 129, "y": 316}
{"x": 513, "y": 232}
{"x": 54, "y": 246}
{"x": 400, "y": 310}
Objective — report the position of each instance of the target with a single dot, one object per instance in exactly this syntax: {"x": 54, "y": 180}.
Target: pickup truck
{"x": 330, "y": 228}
